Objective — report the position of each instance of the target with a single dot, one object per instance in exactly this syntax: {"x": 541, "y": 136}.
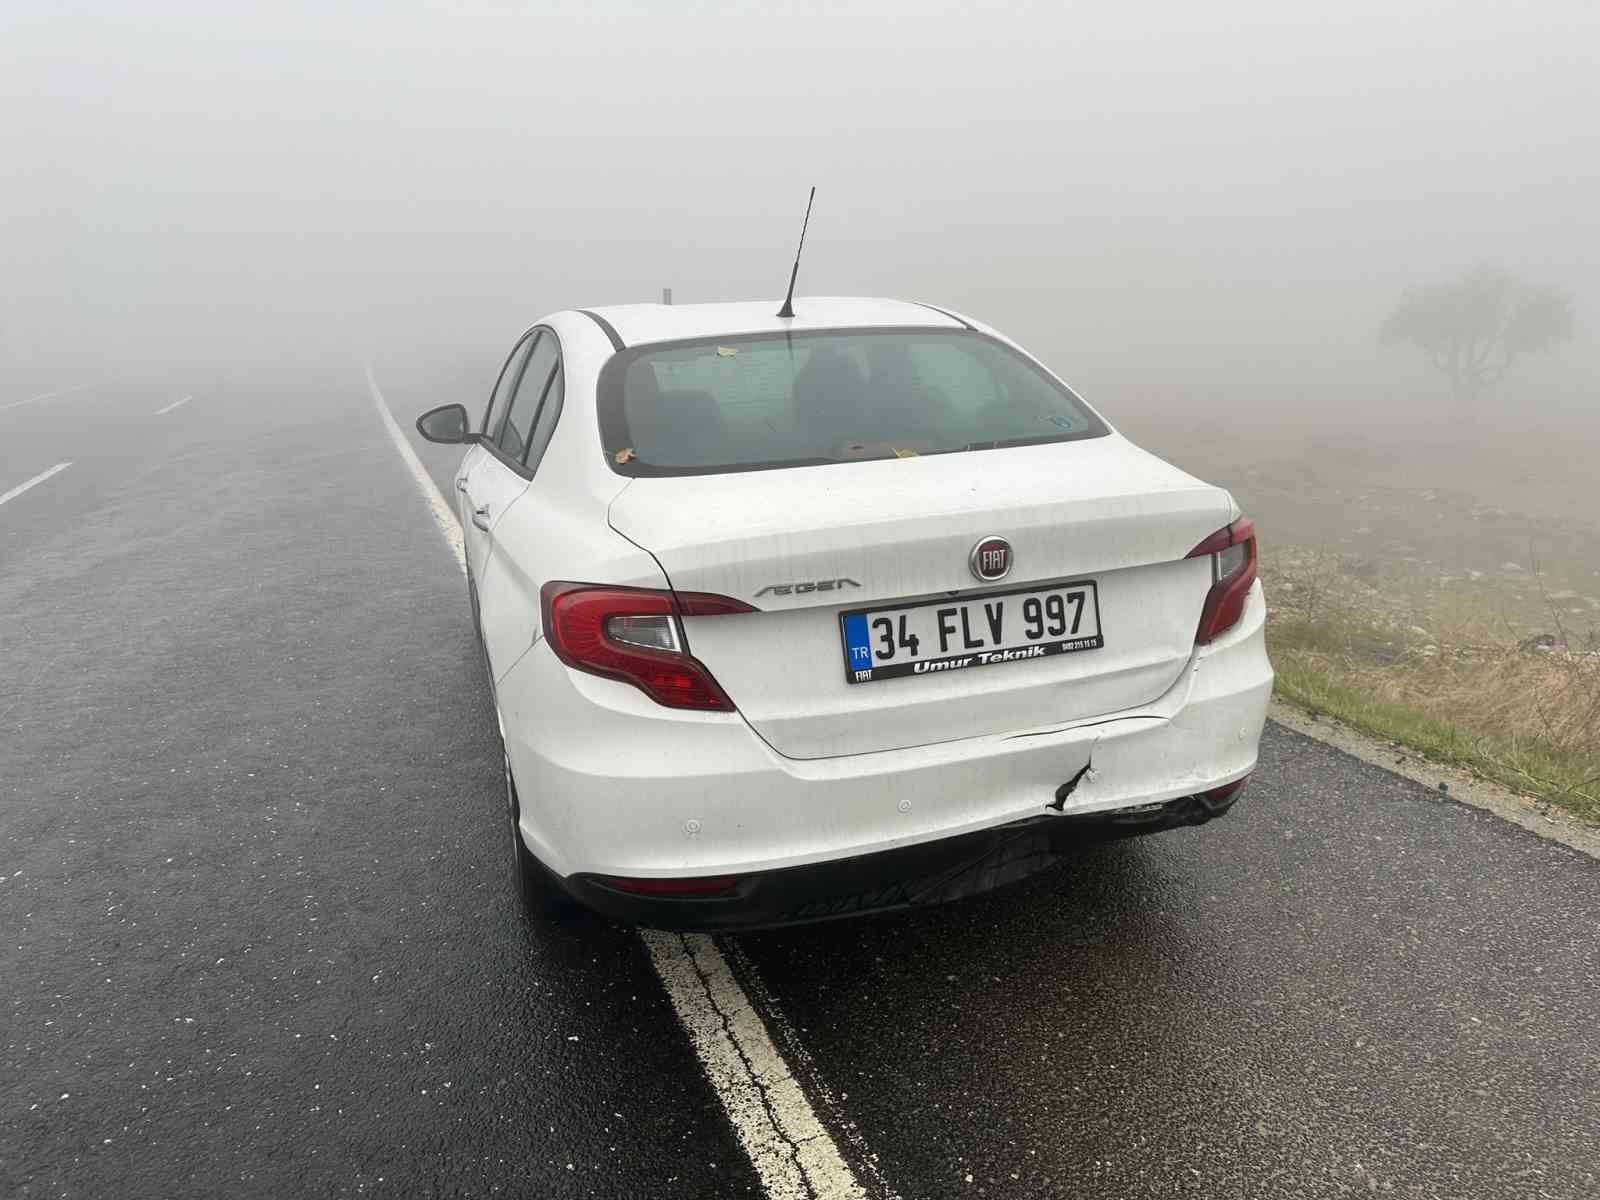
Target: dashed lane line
{"x": 34, "y": 482}
{"x": 173, "y": 405}
{"x": 43, "y": 396}
{"x": 793, "y": 1154}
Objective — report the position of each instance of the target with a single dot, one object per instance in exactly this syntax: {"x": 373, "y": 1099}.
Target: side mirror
{"x": 446, "y": 424}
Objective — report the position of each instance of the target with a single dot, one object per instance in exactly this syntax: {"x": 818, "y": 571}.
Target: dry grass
{"x": 1453, "y": 673}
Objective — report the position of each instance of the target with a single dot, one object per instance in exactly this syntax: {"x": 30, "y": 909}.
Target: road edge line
{"x": 1460, "y": 784}
{"x": 792, "y": 1151}
{"x": 438, "y": 507}
{"x": 787, "y": 1037}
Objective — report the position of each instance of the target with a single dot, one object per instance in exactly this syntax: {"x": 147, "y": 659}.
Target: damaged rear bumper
{"x": 614, "y": 785}
{"x": 907, "y": 877}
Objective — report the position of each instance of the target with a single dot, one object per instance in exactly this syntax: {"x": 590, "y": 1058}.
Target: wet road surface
{"x": 1348, "y": 984}
{"x": 258, "y": 937}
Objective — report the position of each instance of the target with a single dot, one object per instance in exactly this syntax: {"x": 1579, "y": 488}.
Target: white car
{"x": 863, "y": 608}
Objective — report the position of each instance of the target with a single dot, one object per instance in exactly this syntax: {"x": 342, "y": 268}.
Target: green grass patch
{"x": 1560, "y": 778}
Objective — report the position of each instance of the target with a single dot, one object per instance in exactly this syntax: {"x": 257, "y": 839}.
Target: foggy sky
{"x": 1107, "y": 182}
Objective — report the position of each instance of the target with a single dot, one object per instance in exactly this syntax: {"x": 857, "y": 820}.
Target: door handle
{"x": 461, "y": 484}
{"x": 480, "y": 518}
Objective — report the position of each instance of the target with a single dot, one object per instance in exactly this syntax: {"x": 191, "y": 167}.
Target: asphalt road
{"x": 258, "y": 937}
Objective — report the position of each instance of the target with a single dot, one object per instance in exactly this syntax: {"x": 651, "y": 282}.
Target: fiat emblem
{"x": 991, "y": 559}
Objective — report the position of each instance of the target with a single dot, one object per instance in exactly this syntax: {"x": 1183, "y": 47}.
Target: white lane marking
{"x": 794, "y": 1053}
{"x": 36, "y": 480}
{"x": 443, "y": 516}
{"x": 793, "y": 1154}
{"x": 44, "y": 396}
{"x": 173, "y": 405}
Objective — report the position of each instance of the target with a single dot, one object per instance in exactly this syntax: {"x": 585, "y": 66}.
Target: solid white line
{"x": 443, "y": 516}
{"x": 173, "y": 405}
{"x": 44, "y": 396}
{"x": 794, "y": 1053}
{"x": 792, "y": 1153}
{"x": 37, "y": 479}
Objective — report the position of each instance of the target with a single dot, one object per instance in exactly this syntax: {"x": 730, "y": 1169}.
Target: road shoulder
{"x": 1454, "y": 783}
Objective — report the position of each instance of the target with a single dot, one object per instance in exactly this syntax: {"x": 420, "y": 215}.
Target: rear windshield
{"x": 752, "y": 403}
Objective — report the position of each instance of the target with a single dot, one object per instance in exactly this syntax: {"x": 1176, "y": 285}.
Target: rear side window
{"x": 545, "y": 423}
{"x": 515, "y": 434}
{"x": 494, "y": 417}
{"x": 757, "y": 402}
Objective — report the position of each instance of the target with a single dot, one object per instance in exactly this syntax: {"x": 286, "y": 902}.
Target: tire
{"x": 477, "y": 633}
{"x": 538, "y": 894}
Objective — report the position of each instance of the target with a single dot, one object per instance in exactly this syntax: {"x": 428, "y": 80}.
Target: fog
{"x": 273, "y": 921}
{"x": 1196, "y": 211}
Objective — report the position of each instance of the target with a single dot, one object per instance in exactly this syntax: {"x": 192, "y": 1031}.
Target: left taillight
{"x": 1232, "y": 550}
{"x": 634, "y": 634}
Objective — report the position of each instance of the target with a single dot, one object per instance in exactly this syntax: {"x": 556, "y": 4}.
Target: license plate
{"x": 980, "y": 631}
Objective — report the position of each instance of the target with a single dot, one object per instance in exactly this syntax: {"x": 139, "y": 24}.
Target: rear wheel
{"x": 538, "y": 893}
{"x": 477, "y": 631}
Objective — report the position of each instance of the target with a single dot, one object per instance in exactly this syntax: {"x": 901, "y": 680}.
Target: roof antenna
{"x": 788, "y": 301}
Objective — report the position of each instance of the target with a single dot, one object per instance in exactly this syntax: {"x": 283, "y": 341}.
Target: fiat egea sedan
{"x": 788, "y": 618}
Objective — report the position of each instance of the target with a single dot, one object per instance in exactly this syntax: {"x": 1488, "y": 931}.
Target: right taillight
{"x": 633, "y": 634}
{"x": 1232, "y": 550}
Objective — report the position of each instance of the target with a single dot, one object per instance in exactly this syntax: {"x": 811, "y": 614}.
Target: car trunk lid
{"x": 803, "y": 545}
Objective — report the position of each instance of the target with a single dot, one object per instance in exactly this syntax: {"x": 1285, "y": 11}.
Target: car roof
{"x": 636, "y": 324}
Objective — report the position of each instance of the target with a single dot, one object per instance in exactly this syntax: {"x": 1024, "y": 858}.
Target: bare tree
{"x": 1474, "y": 328}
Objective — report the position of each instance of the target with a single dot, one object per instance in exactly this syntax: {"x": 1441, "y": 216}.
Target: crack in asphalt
{"x": 801, "y": 1064}
{"x": 791, "y": 1149}
{"x": 755, "y": 1076}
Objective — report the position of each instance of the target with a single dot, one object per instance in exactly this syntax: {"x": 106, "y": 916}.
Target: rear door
{"x": 508, "y": 605}
{"x": 481, "y": 482}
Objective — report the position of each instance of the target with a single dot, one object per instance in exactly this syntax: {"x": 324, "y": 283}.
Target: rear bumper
{"x": 907, "y": 877}
{"x": 614, "y": 785}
